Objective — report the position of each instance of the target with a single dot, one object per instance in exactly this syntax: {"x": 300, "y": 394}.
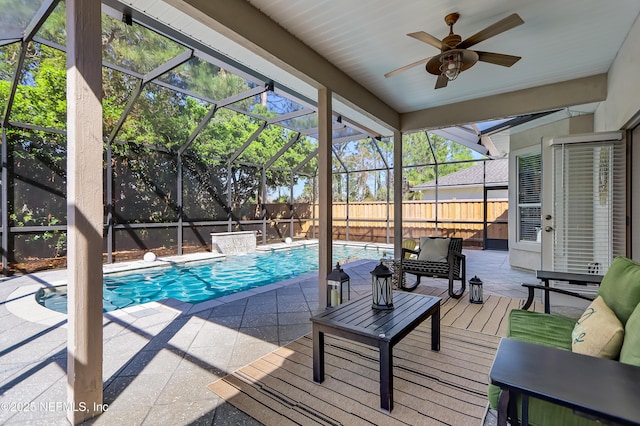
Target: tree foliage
{"x": 363, "y": 161}
{"x": 416, "y": 151}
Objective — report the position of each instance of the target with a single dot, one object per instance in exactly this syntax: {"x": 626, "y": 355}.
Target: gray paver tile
{"x": 228, "y": 415}
{"x": 141, "y": 390}
{"x": 293, "y": 307}
{"x": 213, "y": 334}
{"x": 268, "y": 333}
{"x": 189, "y": 383}
{"x": 289, "y": 333}
{"x": 292, "y": 291}
{"x": 213, "y": 358}
{"x": 258, "y": 320}
{"x": 287, "y": 318}
{"x": 193, "y": 413}
{"x": 234, "y": 308}
{"x": 121, "y": 415}
{"x": 291, "y": 298}
{"x": 33, "y": 351}
{"x": 152, "y": 362}
{"x": 264, "y": 298}
{"x": 262, "y": 309}
{"x": 230, "y": 321}
{"x": 249, "y": 352}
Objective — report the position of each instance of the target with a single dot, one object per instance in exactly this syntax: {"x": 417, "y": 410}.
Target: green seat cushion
{"x": 494, "y": 395}
{"x": 549, "y": 330}
{"x": 630, "y": 353}
{"x": 620, "y": 287}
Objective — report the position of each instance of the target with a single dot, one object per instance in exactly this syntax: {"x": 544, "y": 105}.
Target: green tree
{"x": 418, "y": 152}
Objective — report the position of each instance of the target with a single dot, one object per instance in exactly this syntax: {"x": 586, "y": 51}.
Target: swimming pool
{"x": 206, "y": 281}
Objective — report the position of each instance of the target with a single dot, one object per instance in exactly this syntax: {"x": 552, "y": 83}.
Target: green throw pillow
{"x": 598, "y": 332}
{"x": 620, "y": 287}
{"x": 434, "y": 249}
{"x": 630, "y": 353}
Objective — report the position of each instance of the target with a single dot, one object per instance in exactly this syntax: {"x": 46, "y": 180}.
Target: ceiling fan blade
{"x": 441, "y": 82}
{"x": 406, "y": 67}
{"x": 429, "y": 39}
{"x": 501, "y": 26}
{"x": 497, "y": 58}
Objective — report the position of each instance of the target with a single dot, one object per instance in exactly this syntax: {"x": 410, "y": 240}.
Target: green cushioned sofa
{"x": 620, "y": 289}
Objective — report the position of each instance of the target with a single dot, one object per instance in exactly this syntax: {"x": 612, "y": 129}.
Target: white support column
{"x": 84, "y": 209}
{"x": 397, "y": 194}
{"x": 325, "y": 200}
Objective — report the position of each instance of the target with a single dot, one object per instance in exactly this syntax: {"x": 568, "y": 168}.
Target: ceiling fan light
{"x": 451, "y": 64}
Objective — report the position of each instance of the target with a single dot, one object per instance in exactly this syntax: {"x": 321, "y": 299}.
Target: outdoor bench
{"x": 609, "y": 328}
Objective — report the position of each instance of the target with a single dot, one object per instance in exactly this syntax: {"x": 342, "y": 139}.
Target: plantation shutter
{"x": 589, "y": 204}
{"x": 529, "y": 200}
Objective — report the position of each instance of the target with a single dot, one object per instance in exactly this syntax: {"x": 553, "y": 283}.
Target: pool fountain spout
{"x": 233, "y": 242}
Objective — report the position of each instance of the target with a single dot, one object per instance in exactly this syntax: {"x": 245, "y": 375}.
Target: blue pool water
{"x": 206, "y": 281}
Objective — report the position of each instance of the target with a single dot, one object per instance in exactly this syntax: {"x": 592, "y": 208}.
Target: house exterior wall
{"x": 623, "y": 86}
{"x": 621, "y": 110}
{"x": 463, "y": 193}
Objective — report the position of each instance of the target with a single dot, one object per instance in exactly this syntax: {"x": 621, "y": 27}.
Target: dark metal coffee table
{"x": 598, "y": 387}
{"x": 358, "y": 321}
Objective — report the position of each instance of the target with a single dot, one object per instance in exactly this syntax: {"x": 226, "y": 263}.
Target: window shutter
{"x": 529, "y": 190}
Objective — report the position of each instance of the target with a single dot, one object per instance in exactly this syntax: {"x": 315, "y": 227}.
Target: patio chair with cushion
{"x": 437, "y": 257}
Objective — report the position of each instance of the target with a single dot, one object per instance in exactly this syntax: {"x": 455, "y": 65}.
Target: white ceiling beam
{"x": 536, "y": 99}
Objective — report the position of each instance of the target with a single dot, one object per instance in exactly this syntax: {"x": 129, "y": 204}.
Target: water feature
{"x": 233, "y": 242}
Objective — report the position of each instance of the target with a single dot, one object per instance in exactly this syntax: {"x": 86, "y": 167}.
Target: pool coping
{"x": 22, "y": 302}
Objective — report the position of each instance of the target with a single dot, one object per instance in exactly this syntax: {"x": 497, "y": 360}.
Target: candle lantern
{"x": 475, "y": 290}
{"x": 337, "y": 282}
{"x": 382, "y": 287}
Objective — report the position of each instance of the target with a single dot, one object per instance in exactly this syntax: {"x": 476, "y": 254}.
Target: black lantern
{"x": 475, "y": 290}
{"x": 382, "y": 287}
{"x": 337, "y": 280}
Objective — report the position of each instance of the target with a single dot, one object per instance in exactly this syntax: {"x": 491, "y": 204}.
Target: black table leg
{"x": 386, "y": 376}
{"x": 318, "y": 355}
{"x": 435, "y": 330}
{"x": 503, "y": 407}
{"x": 525, "y": 410}
{"x": 547, "y": 301}
{"x": 512, "y": 408}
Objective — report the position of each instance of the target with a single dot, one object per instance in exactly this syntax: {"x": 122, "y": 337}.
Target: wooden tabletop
{"x": 569, "y": 277}
{"x": 359, "y": 317}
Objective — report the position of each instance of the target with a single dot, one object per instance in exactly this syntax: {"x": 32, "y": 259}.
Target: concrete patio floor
{"x": 158, "y": 358}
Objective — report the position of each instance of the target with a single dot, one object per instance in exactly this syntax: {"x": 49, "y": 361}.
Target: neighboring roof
{"x": 497, "y": 173}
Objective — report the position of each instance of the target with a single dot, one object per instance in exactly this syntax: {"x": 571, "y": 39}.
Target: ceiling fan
{"x": 455, "y": 56}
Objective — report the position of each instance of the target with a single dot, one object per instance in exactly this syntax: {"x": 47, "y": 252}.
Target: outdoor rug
{"x": 445, "y": 387}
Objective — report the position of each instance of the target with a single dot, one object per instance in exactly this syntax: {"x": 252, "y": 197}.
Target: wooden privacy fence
{"x": 373, "y": 221}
